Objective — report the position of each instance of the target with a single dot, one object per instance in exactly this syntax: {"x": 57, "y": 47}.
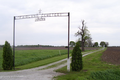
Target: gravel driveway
{"x": 35, "y": 73}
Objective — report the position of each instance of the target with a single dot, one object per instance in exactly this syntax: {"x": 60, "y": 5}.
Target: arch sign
{"x": 41, "y": 17}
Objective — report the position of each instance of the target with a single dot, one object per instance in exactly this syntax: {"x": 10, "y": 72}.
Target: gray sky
{"x": 102, "y": 17}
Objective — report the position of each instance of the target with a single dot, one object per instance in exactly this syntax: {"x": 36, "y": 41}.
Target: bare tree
{"x": 89, "y": 42}
{"x": 84, "y": 33}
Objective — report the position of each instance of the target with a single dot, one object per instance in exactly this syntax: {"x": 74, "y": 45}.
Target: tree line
{"x": 35, "y": 45}
{"x": 90, "y": 44}
{"x": 102, "y": 44}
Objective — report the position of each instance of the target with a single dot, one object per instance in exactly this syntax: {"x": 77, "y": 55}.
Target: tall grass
{"x": 105, "y": 75}
{"x": 1, "y": 58}
{"x": 27, "y": 56}
{"x": 42, "y": 62}
{"x": 1, "y": 48}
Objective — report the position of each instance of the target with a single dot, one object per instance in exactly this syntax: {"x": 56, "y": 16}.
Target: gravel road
{"x": 36, "y": 73}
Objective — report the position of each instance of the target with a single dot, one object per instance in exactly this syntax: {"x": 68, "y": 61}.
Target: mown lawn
{"x": 91, "y": 64}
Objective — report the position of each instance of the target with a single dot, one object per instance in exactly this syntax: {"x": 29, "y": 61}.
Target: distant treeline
{"x": 38, "y": 46}
{"x": 114, "y": 46}
{"x": 1, "y": 45}
{"x": 34, "y": 46}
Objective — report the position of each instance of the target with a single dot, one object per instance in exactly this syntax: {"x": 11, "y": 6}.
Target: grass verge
{"x": 91, "y": 63}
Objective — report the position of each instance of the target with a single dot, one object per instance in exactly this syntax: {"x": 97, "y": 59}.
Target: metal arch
{"x": 42, "y": 15}
{"x": 66, "y": 14}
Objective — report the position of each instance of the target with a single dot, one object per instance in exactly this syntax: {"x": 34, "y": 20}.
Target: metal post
{"x": 68, "y": 31}
{"x": 14, "y": 43}
{"x": 68, "y": 61}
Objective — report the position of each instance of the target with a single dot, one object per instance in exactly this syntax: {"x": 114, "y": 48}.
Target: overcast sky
{"x": 102, "y": 18}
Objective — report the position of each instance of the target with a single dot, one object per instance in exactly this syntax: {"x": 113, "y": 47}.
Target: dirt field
{"x": 50, "y": 48}
{"x": 112, "y": 55}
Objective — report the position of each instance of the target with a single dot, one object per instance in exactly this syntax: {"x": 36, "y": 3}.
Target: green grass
{"x": 91, "y": 63}
{"x": 1, "y": 58}
{"x": 23, "y": 57}
{"x": 1, "y": 48}
{"x": 111, "y": 74}
{"x": 63, "y": 62}
{"x": 42, "y": 62}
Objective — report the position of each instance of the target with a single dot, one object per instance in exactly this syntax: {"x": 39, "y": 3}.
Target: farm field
{"x": 27, "y": 55}
{"x": 94, "y": 68}
{"x": 51, "y": 48}
{"x": 112, "y": 55}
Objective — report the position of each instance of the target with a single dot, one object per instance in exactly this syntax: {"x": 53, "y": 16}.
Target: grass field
{"x": 23, "y": 57}
{"x": 1, "y": 52}
{"x": 29, "y": 56}
{"x": 46, "y": 61}
{"x": 41, "y": 62}
{"x": 91, "y": 64}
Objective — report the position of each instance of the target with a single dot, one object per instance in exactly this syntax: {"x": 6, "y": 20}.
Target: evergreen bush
{"x": 7, "y": 57}
{"x": 76, "y": 63}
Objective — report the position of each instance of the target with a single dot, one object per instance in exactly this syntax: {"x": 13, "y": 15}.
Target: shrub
{"x": 7, "y": 57}
{"x": 76, "y": 63}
